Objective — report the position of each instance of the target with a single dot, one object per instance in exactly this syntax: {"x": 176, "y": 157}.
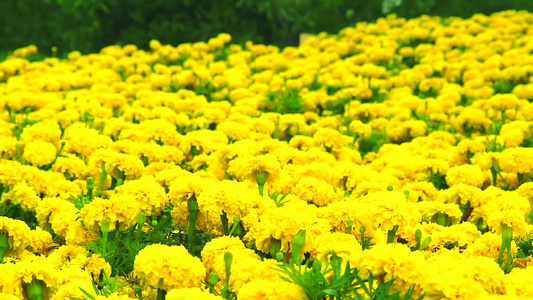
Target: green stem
{"x": 225, "y": 223}
{"x": 4, "y": 245}
{"x": 192, "y": 205}
{"x": 34, "y": 290}
{"x": 120, "y": 178}
{"x": 442, "y": 219}
{"x": 101, "y": 181}
{"x": 161, "y": 294}
{"x": 391, "y": 234}
{"x": 507, "y": 238}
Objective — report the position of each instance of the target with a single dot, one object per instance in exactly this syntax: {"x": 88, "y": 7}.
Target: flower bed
{"x": 392, "y": 160}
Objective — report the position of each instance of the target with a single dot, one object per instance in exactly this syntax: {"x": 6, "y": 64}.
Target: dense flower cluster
{"x": 401, "y": 148}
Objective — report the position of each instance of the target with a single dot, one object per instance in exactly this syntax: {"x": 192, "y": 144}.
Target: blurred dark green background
{"x": 89, "y": 25}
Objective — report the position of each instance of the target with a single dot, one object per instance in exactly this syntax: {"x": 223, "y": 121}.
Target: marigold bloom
{"x": 317, "y": 191}
{"x": 120, "y": 211}
{"x": 283, "y": 223}
{"x": 247, "y": 168}
{"x": 516, "y": 160}
{"x": 190, "y": 293}
{"x": 23, "y": 272}
{"x": 18, "y": 233}
{"x": 148, "y": 193}
{"x": 39, "y": 153}
{"x": 466, "y": 174}
{"x": 168, "y": 267}
{"x": 23, "y": 195}
{"x": 393, "y": 261}
{"x": 236, "y": 199}
{"x": 266, "y": 289}
{"x": 509, "y": 209}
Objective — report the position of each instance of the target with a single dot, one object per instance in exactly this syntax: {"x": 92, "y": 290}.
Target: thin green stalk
{"x": 101, "y": 181}
{"x": 192, "y": 206}
{"x": 391, "y": 234}
{"x": 4, "y": 245}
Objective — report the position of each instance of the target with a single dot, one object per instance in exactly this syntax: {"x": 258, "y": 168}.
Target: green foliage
{"x": 320, "y": 282}
{"x": 106, "y": 287}
{"x": 438, "y": 179}
{"x": 372, "y": 143}
{"x": 120, "y": 247}
{"x": 14, "y": 211}
{"x": 525, "y": 245}
{"x": 284, "y": 101}
{"x": 90, "y": 25}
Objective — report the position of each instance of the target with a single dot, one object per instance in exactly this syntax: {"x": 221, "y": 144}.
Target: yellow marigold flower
{"x": 23, "y": 195}
{"x": 236, "y": 199}
{"x": 248, "y": 269}
{"x": 425, "y": 190}
{"x": 449, "y": 285}
{"x": 203, "y": 141}
{"x": 24, "y": 272}
{"x": 283, "y": 223}
{"x": 330, "y": 139}
{"x": 363, "y": 130}
{"x": 41, "y": 241}
{"x": 130, "y": 165}
{"x": 248, "y": 168}
{"x": 341, "y": 244}
{"x": 517, "y": 283}
{"x": 459, "y": 235}
{"x": 516, "y": 160}
{"x": 73, "y": 289}
{"x": 70, "y": 166}
{"x": 95, "y": 265}
{"x": 393, "y": 261}
{"x": 391, "y": 208}
{"x": 168, "y": 267}
{"x": 84, "y": 141}
{"x": 186, "y": 186}
{"x": 190, "y": 293}
{"x": 39, "y": 153}
{"x": 148, "y": 193}
{"x": 213, "y": 253}
{"x": 120, "y": 211}
{"x": 509, "y": 209}
{"x": 8, "y": 147}
{"x": 44, "y": 131}
{"x": 18, "y": 235}
{"x": 77, "y": 234}
{"x": 315, "y": 190}
{"x": 266, "y": 289}
{"x": 488, "y": 245}
{"x": 56, "y": 213}
{"x": 526, "y": 190}
{"x": 339, "y": 212}
{"x": 9, "y": 296}
{"x": 482, "y": 270}
{"x": 69, "y": 255}
{"x": 431, "y": 208}
{"x": 465, "y": 174}
{"x": 234, "y": 131}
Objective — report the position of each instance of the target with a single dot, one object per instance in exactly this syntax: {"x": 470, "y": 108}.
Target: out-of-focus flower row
{"x": 414, "y": 133}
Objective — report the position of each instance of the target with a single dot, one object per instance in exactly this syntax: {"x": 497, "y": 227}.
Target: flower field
{"x": 393, "y": 160}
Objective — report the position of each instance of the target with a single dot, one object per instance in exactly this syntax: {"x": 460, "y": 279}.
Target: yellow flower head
{"x": 119, "y": 211}
{"x": 191, "y": 293}
{"x": 267, "y": 289}
{"x": 148, "y": 193}
{"x": 465, "y": 174}
{"x": 39, "y": 153}
{"x": 18, "y": 234}
{"x": 168, "y": 267}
